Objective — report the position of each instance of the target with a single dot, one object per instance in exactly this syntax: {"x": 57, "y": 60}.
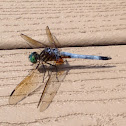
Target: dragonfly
{"x": 51, "y": 85}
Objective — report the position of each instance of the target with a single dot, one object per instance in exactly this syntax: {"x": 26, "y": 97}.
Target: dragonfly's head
{"x": 33, "y": 57}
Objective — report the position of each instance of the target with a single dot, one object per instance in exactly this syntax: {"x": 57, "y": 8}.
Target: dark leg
{"x": 56, "y": 69}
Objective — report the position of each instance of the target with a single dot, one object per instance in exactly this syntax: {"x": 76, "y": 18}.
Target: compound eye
{"x": 33, "y": 57}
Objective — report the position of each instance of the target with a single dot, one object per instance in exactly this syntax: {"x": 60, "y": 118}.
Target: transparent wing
{"x": 57, "y": 43}
{"x": 52, "y": 39}
{"x": 32, "y": 41}
{"x": 51, "y": 87}
{"x": 25, "y": 87}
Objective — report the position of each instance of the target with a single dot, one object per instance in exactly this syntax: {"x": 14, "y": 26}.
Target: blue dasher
{"x": 53, "y": 54}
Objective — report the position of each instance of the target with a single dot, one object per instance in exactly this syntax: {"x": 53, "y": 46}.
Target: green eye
{"x": 33, "y": 57}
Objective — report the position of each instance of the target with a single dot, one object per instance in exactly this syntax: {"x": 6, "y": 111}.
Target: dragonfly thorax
{"x": 50, "y": 54}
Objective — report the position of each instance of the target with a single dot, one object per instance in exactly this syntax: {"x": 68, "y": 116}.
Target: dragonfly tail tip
{"x": 105, "y": 58}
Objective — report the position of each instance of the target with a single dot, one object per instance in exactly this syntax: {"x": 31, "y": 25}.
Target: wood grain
{"x": 74, "y": 23}
{"x": 93, "y": 92}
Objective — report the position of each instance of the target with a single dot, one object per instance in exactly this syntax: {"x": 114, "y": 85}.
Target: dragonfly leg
{"x": 53, "y": 66}
{"x": 55, "y": 69}
{"x": 38, "y": 65}
{"x": 50, "y": 64}
{"x": 43, "y": 68}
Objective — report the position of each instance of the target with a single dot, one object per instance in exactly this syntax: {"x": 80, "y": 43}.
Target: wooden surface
{"x": 74, "y": 23}
{"x": 93, "y": 92}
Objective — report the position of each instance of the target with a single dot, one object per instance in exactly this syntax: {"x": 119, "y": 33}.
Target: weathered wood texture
{"x": 93, "y": 92}
{"x": 74, "y": 23}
